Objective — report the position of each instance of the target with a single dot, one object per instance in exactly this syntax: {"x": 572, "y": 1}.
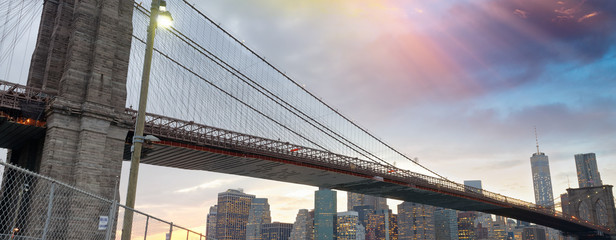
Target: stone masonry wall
{"x": 82, "y": 52}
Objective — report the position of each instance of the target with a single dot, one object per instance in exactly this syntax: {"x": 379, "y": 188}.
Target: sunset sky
{"x": 460, "y": 84}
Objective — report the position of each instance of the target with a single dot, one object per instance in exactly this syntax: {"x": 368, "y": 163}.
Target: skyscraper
{"x": 499, "y": 229}
{"x": 587, "y": 170}
{"x": 379, "y": 203}
{"x": 358, "y": 199}
{"x": 382, "y": 225}
{"x": 303, "y": 226}
{"x": 276, "y": 231}
{"x": 481, "y": 232}
{"x": 232, "y": 214}
{"x": 325, "y": 214}
{"x": 415, "y": 221}
{"x": 354, "y": 199}
{"x": 533, "y": 233}
{"x": 375, "y": 228}
{"x": 445, "y": 224}
{"x": 364, "y": 212}
{"x": 347, "y": 225}
{"x": 258, "y": 215}
{"x": 483, "y": 220}
{"x": 392, "y": 225}
{"x": 542, "y": 181}
{"x": 478, "y": 218}
{"x": 466, "y": 225}
{"x": 210, "y": 228}
{"x": 473, "y": 183}
{"x": 472, "y": 186}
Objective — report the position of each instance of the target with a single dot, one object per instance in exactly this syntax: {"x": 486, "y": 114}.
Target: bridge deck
{"x": 170, "y": 154}
{"x": 187, "y": 156}
{"x": 13, "y": 134}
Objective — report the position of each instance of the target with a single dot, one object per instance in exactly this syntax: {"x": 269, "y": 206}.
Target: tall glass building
{"x": 542, "y": 181}
{"x": 382, "y": 225}
{"x": 475, "y": 186}
{"x": 466, "y": 225}
{"x": 358, "y": 199}
{"x": 587, "y": 170}
{"x": 415, "y": 221}
{"x": 346, "y": 225}
{"x": 303, "y": 228}
{"x": 232, "y": 214}
{"x": 445, "y": 224}
{"x": 325, "y": 214}
{"x": 276, "y": 231}
{"x": 354, "y": 199}
{"x": 499, "y": 229}
{"x": 210, "y": 227}
{"x": 392, "y": 225}
{"x": 259, "y": 214}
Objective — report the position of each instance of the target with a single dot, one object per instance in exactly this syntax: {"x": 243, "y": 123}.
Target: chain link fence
{"x": 33, "y": 206}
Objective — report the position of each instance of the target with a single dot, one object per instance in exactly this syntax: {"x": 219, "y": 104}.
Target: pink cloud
{"x": 587, "y": 16}
{"x": 520, "y": 13}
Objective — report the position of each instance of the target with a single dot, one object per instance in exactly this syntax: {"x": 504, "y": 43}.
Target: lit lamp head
{"x": 164, "y": 18}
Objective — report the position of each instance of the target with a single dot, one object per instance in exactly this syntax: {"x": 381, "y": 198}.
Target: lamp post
{"x": 158, "y": 16}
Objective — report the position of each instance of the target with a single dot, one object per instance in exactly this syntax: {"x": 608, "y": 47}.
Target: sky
{"x": 459, "y": 84}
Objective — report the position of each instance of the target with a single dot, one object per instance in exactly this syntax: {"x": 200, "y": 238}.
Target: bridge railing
{"x": 33, "y": 206}
{"x": 18, "y": 91}
{"x": 29, "y": 102}
{"x": 491, "y": 197}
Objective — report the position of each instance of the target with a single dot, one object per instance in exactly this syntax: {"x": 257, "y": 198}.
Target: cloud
{"x": 587, "y": 16}
{"x": 536, "y": 31}
{"x": 207, "y": 185}
{"x": 520, "y": 13}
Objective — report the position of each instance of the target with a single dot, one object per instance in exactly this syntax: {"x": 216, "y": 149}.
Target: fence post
{"x": 49, "y": 206}
{"x": 170, "y": 230}
{"x": 147, "y": 222}
{"x": 112, "y": 212}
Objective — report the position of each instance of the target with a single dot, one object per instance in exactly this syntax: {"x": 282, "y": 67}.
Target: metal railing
{"x": 26, "y": 103}
{"x": 13, "y": 94}
{"x": 33, "y": 206}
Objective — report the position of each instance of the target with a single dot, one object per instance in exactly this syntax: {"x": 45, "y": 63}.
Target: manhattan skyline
{"x": 459, "y": 85}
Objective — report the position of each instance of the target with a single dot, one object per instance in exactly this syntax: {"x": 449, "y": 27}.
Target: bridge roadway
{"x": 189, "y": 145}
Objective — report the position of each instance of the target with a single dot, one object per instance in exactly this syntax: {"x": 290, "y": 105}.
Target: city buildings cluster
{"x": 241, "y": 216}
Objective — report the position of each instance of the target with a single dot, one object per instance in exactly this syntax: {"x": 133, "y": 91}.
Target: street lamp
{"x": 158, "y": 17}
{"x": 13, "y": 232}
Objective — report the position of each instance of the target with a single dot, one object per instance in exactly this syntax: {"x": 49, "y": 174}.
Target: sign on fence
{"x": 103, "y": 221}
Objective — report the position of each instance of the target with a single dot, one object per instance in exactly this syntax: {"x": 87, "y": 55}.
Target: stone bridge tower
{"x": 82, "y": 55}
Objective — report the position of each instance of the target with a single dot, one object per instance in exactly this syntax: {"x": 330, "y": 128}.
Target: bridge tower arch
{"x": 595, "y": 203}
